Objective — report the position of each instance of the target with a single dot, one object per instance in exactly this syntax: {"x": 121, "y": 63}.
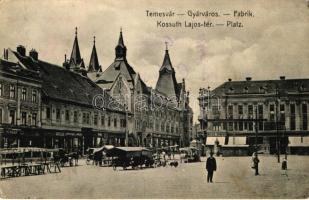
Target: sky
{"x": 273, "y": 43}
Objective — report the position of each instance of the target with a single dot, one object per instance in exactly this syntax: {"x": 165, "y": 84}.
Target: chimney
{"x": 248, "y": 78}
{"x": 230, "y": 79}
{"x": 21, "y": 50}
{"x": 34, "y": 54}
{"x": 282, "y": 77}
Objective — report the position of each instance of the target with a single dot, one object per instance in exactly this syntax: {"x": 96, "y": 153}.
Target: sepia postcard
{"x": 154, "y": 99}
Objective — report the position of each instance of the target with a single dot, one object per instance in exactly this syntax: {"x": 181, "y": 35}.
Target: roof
{"x": 167, "y": 83}
{"x": 262, "y": 86}
{"x": 111, "y": 73}
{"x": 132, "y": 148}
{"x": 17, "y": 69}
{"x": 167, "y": 64}
{"x": 75, "y": 54}
{"x": 59, "y": 83}
{"x": 94, "y": 65}
{"x": 65, "y": 85}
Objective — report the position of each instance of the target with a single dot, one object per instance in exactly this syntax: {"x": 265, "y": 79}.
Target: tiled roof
{"x": 263, "y": 86}
{"x": 62, "y": 84}
{"x": 111, "y": 73}
{"x": 167, "y": 83}
{"x": 15, "y": 68}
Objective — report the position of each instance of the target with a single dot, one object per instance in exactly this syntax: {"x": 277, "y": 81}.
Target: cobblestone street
{"x": 233, "y": 179}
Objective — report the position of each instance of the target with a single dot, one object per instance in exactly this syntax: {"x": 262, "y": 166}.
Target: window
{"x": 0, "y": 115}
{"x": 260, "y": 112}
{"x": 167, "y": 128}
{"x": 67, "y": 115}
{"x": 241, "y": 126}
{"x": 86, "y": 118}
{"x": 305, "y": 117}
{"x": 102, "y": 120}
{"x": 230, "y": 112}
{"x": 123, "y": 123}
{"x": 250, "y": 111}
{"x": 58, "y": 113}
{"x": 1, "y": 89}
{"x": 115, "y": 122}
{"x": 260, "y": 116}
{"x": 250, "y": 126}
{"x": 282, "y": 113}
{"x": 34, "y": 96}
{"x": 95, "y": 120}
{"x": 24, "y": 118}
{"x": 75, "y": 117}
{"x": 12, "y": 91}
{"x": 240, "y": 111}
{"x": 109, "y": 121}
{"x": 48, "y": 113}
{"x": 34, "y": 118}
{"x": 162, "y": 127}
{"x": 12, "y": 117}
{"x": 292, "y": 117}
{"x": 23, "y": 94}
{"x": 272, "y": 112}
{"x": 230, "y": 126}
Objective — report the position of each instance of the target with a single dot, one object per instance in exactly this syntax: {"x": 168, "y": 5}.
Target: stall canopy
{"x": 128, "y": 151}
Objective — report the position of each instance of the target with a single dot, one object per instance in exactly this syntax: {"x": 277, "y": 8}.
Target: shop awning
{"x": 298, "y": 141}
{"x": 237, "y": 140}
{"x": 211, "y": 140}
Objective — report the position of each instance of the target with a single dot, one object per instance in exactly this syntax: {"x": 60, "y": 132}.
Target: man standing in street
{"x": 256, "y": 161}
{"x": 211, "y": 166}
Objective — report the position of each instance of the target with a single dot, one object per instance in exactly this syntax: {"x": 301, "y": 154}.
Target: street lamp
{"x": 126, "y": 130}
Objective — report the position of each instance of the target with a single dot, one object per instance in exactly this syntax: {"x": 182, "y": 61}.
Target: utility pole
{"x": 277, "y": 128}
{"x": 126, "y": 130}
{"x": 256, "y": 128}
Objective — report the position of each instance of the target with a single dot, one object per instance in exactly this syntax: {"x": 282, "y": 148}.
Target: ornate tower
{"x": 94, "y": 65}
{"x": 121, "y": 49}
{"x": 167, "y": 83}
{"x": 76, "y": 63}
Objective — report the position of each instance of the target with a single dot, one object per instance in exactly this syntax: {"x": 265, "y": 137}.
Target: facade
{"x": 272, "y": 114}
{"x": 45, "y": 105}
{"x": 162, "y": 115}
{"x": 20, "y": 102}
{"x": 50, "y": 106}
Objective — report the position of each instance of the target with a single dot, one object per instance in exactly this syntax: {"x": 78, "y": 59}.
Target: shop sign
{"x": 59, "y": 134}
{"x": 12, "y": 131}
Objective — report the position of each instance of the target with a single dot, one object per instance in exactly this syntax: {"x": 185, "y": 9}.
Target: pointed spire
{"x": 167, "y": 64}
{"x": 75, "y": 55}
{"x": 120, "y": 41}
{"x": 121, "y": 49}
{"x": 94, "y": 65}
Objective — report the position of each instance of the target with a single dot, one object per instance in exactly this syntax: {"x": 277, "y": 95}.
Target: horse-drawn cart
{"x": 134, "y": 157}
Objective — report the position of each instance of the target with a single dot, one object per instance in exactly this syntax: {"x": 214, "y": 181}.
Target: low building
{"x": 272, "y": 114}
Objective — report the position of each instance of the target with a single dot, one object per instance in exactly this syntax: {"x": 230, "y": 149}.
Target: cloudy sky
{"x": 273, "y": 43}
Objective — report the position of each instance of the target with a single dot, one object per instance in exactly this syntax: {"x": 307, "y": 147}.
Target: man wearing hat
{"x": 211, "y": 166}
